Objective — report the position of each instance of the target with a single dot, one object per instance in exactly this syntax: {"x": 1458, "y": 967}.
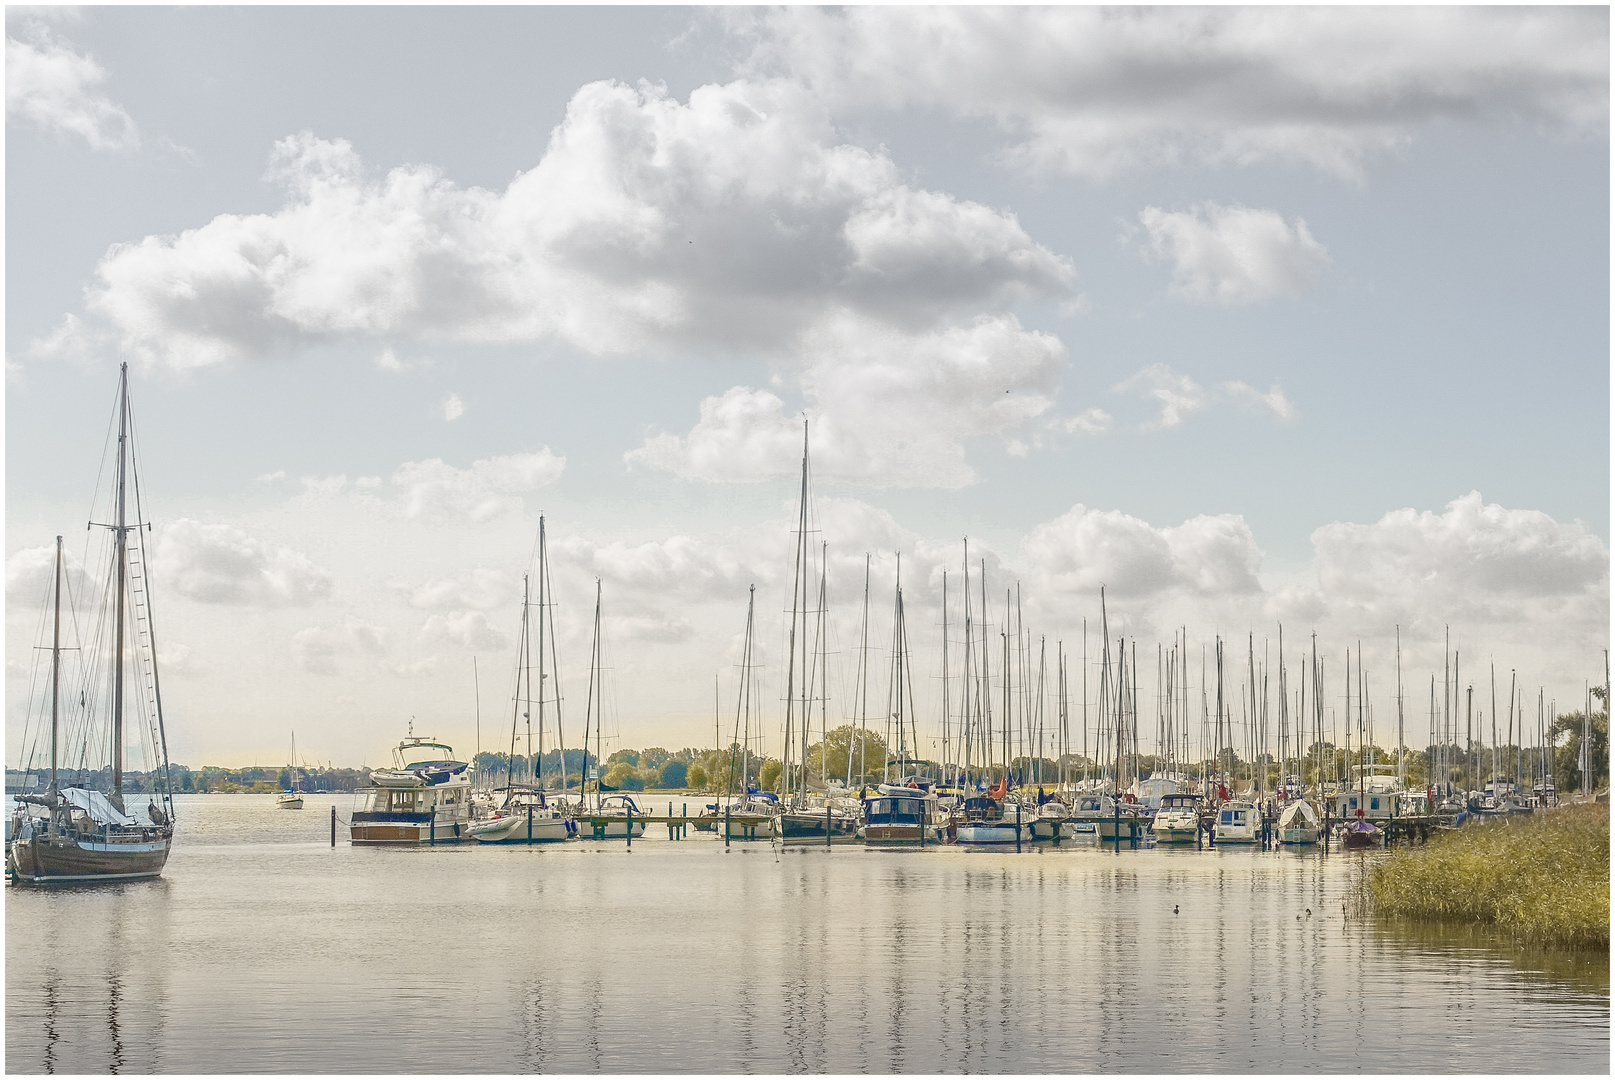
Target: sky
{"x": 1257, "y": 318}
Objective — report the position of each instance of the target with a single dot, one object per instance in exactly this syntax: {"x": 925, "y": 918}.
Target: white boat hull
{"x": 991, "y": 833}
{"x": 513, "y": 829}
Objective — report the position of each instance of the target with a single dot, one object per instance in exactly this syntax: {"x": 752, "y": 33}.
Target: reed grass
{"x": 1542, "y": 880}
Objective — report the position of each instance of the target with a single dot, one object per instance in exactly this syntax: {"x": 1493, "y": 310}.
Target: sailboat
{"x": 745, "y": 813}
{"x": 74, "y": 832}
{"x": 810, "y": 814}
{"x": 524, "y": 815}
{"x": 614, "y": 817}
{"x": 292, "y": 797}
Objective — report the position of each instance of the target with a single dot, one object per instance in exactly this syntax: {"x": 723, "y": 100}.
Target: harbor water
{"x": 264, "y": 949}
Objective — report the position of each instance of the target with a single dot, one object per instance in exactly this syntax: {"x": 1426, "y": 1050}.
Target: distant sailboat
{"x": 75, "y": 832}
{"x": 292, "y": 797}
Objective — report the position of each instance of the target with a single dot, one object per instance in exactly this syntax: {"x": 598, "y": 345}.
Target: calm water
{"x": 263, "y": 949}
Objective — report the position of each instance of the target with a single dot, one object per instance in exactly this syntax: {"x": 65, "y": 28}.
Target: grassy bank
{"x": 1543, "y": 880}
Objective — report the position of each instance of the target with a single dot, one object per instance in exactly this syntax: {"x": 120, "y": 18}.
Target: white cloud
{"x": 216, "y": 563}
{"x": 1094, "y": 421}
{"x": 1095, "y": 91}
{"x": 54, "y": 88}
{"x": 677, "y": 565}
{"x": 887, "y": 407}
{"x": 1206, "y": 556}
{"x": 320, "y": 649}
{"x": 481, "y": 589}
{"x": 470, "y": 630}
{"x": 1233, "y": 255}
{"x": 1475, "y": 562}
{"x": 1273, "y": 402}
{"x": 736, "y": 219}
{"x": 490, "y": 487}
{"x": 31, "y": 573}
{"x": 453, "y": 408}
{"x": 1180, "y": 397}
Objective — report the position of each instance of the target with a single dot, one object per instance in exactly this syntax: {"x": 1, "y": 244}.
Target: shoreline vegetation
{"x": 1540, "y": 881}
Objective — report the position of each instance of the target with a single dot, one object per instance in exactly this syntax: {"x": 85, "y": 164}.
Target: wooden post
{"x": 529, "y": 823}
{"x": 726, "y": 826}
{"x": 1017, "y": 824}
{"x": 431, "y": 828}
{"x": 333, "y": 824}
{"x": 826, "y": 821}
{"x": 630, "y": 823}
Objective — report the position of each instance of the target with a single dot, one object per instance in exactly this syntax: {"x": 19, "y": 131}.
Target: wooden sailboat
{"x": 74, "y": 832}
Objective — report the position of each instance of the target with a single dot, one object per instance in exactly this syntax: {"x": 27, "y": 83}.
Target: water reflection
{"x": 681, "y": 958}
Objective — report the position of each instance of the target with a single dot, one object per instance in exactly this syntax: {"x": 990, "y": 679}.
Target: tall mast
{"x": 547, "y": 600}
{"x": 943, "y": 764}
{"x": 589, "y": 710}
{"x": 517, "y": 712}
{"x": 863, "y": 682}
{"x": 120, "y": 558}
{"x": 538, "y": 762}
{"x": 55, "y": 667}
{"x": 798, "y": 589}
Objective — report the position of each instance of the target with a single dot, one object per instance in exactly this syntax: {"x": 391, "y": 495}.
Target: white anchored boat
{"x": 424, "y": 799}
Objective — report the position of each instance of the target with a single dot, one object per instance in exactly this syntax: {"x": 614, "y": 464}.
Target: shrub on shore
{"x": 1542, "y": 880}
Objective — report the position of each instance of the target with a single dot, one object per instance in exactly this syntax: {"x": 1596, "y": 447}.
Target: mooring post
{"x": 529, "y": 823}
{"x": 432, "y": 829}
{"x": 726, "y": 826}
{"x": 630, "y": 823}
{"x": 1017, "y": 823}
{"x": 333, "y": 824}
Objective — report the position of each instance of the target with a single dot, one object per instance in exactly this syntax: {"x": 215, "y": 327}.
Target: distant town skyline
{"x": 1255, "y": 317}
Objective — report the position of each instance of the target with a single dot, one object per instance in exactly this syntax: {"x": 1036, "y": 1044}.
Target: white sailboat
{"x": 523, "y": 813}
{"x": 292, "y": 797}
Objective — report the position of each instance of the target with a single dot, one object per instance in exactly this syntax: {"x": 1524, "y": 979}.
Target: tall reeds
{"x": 1541, "y": 880}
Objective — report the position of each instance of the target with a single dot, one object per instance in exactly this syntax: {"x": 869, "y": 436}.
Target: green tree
{"x": 1567, "y": 757}
{"x": 630, "y": 757}
{"x": 623, "y": 776}
{"x": 675, "y": 774}
{"x": 768, "y": 776}
{"x": 865, "y": 749}
{"x": 696, "y": 776}
{"x": 654, "y": 758}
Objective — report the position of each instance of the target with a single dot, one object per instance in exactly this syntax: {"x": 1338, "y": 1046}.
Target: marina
{"x": 1069, "y": 959}
{"x": 647, "y": 539}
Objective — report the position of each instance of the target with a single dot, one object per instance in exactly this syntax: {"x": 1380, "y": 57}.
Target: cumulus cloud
{"x": 1232, "y": 255}
{"x": 54, "y": 88}
{"x": 490, "y": 487}
{"x": 887, "y": 407}
{"x": 1273, "y": 402}
{"x": 1474, "y": 562}
{"x": 217, "y": 563}
{"x": 320, "y": 649}
{"x": 1094, "y": 421}
{"x": 1206, "y": 556}
{"x": 31, "y": 573}
{"x": 453, "y": 408}
{"x": 480, "y": 589}
{"x": 1096, "y": 91}
{"x": 1180, "y": 397}
{"x": 733, "y": 219}
{"x": 470, "y": 630}
{"x": 677, "y": 565}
